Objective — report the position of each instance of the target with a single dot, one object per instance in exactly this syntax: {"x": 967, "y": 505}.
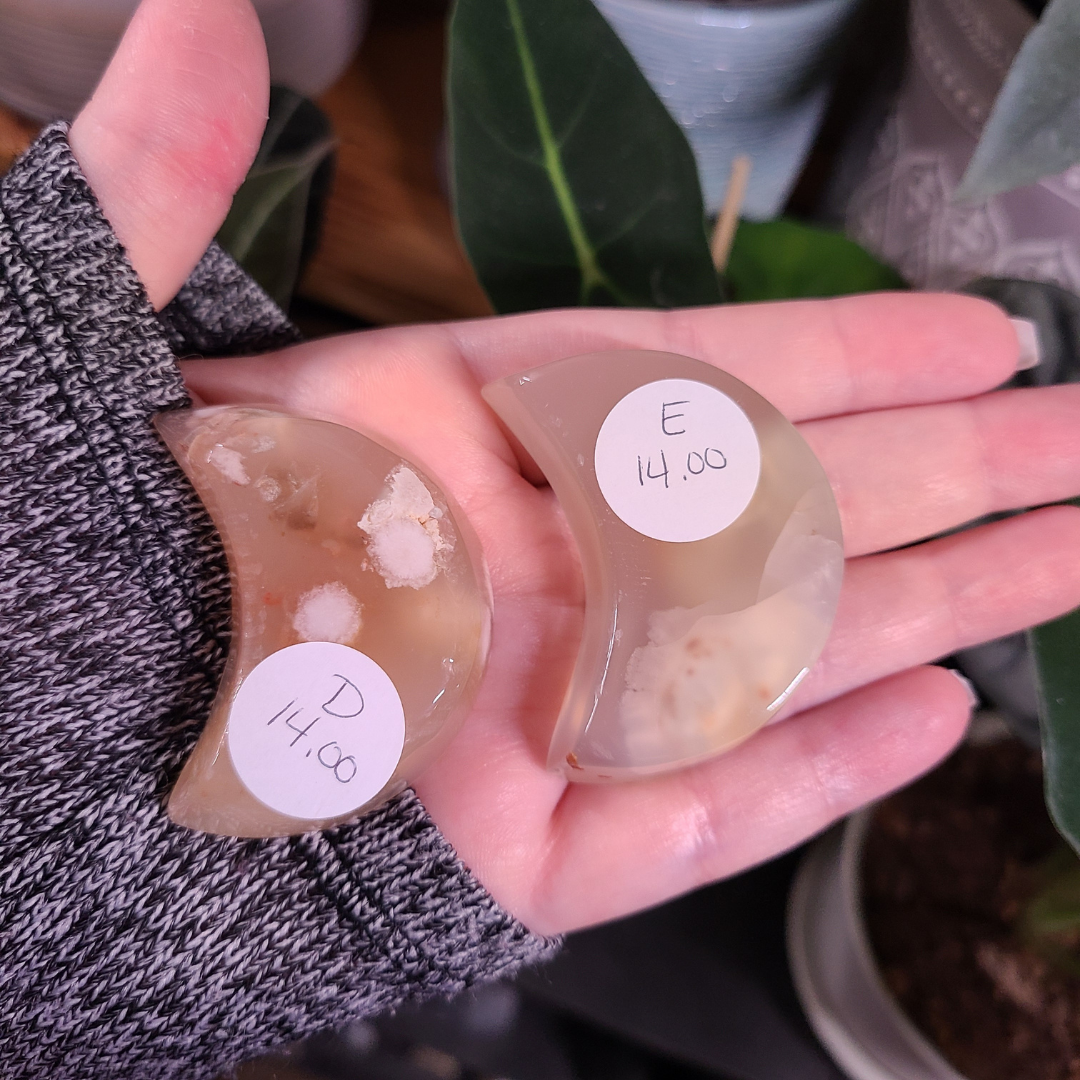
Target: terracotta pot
{"x": 901, "y": 209}
{"x": 52, "y": 52}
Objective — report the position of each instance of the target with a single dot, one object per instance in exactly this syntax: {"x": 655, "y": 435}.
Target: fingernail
{"x": 969, "y": 687}
{"x": 1027, "y": 334}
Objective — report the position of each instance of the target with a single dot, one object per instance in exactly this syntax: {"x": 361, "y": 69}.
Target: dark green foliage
{"x": 572, "y": 184}
{"x": 1051, "y": 921}
{"x": 780, "y": 260}
{"x": 270, "y": 226}
{"x": 1057, "y": 663}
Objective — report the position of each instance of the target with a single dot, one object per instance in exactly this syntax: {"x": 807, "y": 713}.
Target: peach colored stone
{"x": 689, "y": 647}
{"x": 330, "y": 537}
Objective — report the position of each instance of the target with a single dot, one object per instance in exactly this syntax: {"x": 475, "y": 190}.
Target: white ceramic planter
{"x": 740, "y": 78}
{"x": 902, "y": 207}
{"x": 52, "y": 52}
{"x": 835, "y": 973}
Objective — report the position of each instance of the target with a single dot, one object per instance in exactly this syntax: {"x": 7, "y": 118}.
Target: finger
{"x": 622, "y": 848}
{"x": 909, "y": 607}
{"x": 901, "y": 475}
{"x": 809, "y": 358}
{"x": 171, "y": 131}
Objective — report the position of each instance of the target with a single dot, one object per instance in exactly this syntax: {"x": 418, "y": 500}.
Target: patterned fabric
{"x": 221, "y": 312}
{"x": 130, "y": 947}
{"x": 902, "y": 207}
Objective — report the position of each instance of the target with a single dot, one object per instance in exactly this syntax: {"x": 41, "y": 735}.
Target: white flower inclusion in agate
{"x": 710, "y": 546}
{"x": 361, "y": 622}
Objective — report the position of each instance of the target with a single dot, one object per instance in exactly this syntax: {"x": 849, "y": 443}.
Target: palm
{"x": 886, "y": 389}
{"x": 912, "y": 454}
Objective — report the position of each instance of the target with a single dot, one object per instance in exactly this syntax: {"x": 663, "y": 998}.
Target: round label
{"x": 677, "y": 460}
{"x": 316, "y": 730}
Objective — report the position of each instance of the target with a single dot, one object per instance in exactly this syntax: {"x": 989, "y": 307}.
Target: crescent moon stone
{"x": 350, "y": 566}
{"x": 710, "y": 546}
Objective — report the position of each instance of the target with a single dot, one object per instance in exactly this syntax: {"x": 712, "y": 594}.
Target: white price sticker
{"x": 316, "y": 730}
{"x": 677, "y": 460}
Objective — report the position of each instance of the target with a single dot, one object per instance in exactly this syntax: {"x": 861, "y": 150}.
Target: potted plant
{"x": 935, "y": 938}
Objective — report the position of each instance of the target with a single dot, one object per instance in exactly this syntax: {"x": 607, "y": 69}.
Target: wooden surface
{"x": 388, "y": 252}
{"x": 15, "y": 136}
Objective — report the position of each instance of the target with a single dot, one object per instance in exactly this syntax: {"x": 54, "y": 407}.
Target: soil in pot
{"x": 950, "y": 867}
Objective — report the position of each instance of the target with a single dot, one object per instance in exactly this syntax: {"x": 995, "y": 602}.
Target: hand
{"x": 896, "y": 395}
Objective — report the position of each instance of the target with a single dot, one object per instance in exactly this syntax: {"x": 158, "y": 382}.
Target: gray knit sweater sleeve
{"x": 130, "y": 947}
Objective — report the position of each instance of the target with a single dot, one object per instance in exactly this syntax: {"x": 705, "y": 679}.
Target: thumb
{"x": 172, "y": 129}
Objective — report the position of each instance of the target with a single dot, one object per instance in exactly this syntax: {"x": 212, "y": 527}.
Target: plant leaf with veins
{"x": 270, "y": 224}
{"x": 1034, "y": 128}
{"x": 572, "y": 183}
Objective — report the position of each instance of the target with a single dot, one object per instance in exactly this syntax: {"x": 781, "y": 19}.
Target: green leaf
{"x": 1034, "y": 128}
{"x": 1056, "y": 647}
{"x": 1055, "y": 907}
{"x": 269, "y": 220}
{"x": 572, "y": 184}
{"x": 1050, "y": 922}
{"x": 779, "y": 260}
